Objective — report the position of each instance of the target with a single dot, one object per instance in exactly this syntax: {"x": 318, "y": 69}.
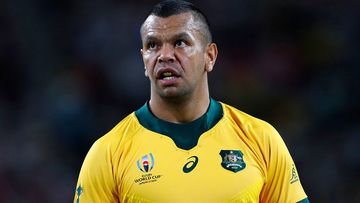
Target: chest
{"x": 221, "y": 168}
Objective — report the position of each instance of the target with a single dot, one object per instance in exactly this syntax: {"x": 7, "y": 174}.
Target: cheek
{"x": 194, "y": 55}
{"x": 149, "y": 60}
{"x": 145, "y": 58}
{"x": 197, "y": 61}
{"x": 187, "y": 57}
{"x": 190, "y": 52}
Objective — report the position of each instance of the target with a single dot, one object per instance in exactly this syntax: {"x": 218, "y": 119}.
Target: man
{"x": 182, "y": 145}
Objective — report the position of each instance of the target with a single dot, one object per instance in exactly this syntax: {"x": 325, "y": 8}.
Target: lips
{"x": 167, "y": 73}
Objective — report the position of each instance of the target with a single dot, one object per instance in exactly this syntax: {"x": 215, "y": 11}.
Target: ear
{"x": 146, "y": 72}
{"x": 211, "y": 55}
{"x": 142, "y": 55}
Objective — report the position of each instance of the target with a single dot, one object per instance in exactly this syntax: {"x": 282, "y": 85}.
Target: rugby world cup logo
{"x": 146, "y": 163}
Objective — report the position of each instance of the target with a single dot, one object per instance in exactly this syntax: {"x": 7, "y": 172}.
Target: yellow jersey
{"x": 234, "y": 158}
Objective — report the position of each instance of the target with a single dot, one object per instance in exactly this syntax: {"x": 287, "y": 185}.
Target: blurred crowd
{"x": 71, "y": 70}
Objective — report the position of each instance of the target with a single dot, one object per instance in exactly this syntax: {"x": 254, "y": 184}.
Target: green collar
{"x": 184, "y": 135}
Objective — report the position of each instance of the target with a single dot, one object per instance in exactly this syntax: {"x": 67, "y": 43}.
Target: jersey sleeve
{"x": 282, "y": 182}
{"x": 96, "y": 182}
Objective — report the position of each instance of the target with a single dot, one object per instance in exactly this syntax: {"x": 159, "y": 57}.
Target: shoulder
{"x": 120, "y": 135}
{"x": 244, "y": 120}
{"x": 96, "y": 174}
{"x": 254, "y": 130}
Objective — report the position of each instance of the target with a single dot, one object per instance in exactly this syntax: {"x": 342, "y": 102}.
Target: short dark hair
{"x": 173, "y": 7}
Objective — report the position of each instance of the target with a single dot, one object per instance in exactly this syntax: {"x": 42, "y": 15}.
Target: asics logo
{"x": 191, "y": 164}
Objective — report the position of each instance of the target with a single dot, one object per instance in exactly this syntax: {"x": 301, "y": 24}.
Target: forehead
{"x": 158, "y": 26}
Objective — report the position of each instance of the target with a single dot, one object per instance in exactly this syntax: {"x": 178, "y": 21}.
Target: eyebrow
{"x": 181, "y": 35}
{"x": 150, "y": 38}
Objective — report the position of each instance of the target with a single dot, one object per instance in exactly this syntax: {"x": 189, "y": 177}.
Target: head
{"x": 169, "y": 8}
{"x": 177, "y": 50}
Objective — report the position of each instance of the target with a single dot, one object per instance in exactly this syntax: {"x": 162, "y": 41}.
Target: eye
{"x": 151, "y": 45}
{"x": 180, "y": 43}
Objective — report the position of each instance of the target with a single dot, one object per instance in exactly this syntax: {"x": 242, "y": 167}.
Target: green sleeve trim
{"x": 306, "y": 200}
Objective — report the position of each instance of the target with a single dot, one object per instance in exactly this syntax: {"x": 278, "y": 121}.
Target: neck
{"x": 180, "y": 110}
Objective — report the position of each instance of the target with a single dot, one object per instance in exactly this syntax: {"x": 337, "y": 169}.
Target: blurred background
{"x": 71, "y": 70}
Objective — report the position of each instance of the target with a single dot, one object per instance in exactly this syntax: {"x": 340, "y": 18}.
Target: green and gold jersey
{"x": 224, "y": 156}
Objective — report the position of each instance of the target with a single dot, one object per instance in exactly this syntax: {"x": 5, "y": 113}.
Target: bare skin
{"x": 177, "y": 60}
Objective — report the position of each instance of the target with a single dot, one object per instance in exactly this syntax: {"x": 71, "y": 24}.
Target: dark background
{"x": 71, "y": 70}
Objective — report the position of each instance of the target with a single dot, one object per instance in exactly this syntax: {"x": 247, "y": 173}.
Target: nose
{"x": 167, "y": 54}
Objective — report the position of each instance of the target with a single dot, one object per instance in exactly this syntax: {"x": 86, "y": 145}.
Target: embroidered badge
{"x": 145, "y": 165}
{"x": 232, "y": 160}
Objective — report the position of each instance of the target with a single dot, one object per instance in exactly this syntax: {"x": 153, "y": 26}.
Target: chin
{"x": 173, "y": 95}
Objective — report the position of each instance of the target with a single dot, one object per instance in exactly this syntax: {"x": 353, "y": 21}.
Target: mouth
{"x": 167, "y": 76}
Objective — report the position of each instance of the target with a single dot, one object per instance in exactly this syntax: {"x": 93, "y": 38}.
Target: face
{"x": 176, "y": 56}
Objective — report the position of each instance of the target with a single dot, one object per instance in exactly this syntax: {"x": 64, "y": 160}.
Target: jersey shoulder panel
{"x": 123, "y": 132}
{"x": 254, "y": 130}
{"x": 117, "y": 142}
{"x": 281, "y": 180}
{"x": 98, "y": 178}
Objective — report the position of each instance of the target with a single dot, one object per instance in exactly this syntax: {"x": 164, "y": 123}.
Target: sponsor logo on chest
{"x": 145, "y": 164}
